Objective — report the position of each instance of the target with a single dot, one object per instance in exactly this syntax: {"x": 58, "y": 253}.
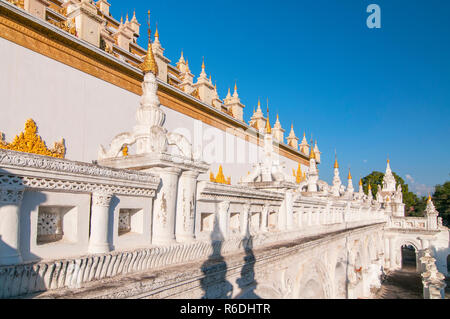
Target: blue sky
{"x": 368, "y": 93}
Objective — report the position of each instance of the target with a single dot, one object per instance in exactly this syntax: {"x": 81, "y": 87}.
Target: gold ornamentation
{"x": 299, "y": 176}
{"x": 125, "y": 151}
{"x": 19, "y": 3}
{"x": 196, "y": 94}
{"x": 220, "y": 179}
{"x": 149, "y": 64}
{"x": 30, "y": 142}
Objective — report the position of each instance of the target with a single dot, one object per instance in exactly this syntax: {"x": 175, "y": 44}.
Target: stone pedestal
{"x": 100, "y": 220}
{"x": 36, "y": 7}
{"x": 185, "y": 217}
{"x": 87, "y": 21}
{"x": 165, "y": 206}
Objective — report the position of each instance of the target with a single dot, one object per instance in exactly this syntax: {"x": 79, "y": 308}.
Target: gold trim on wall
{"x": 42, "y": 40}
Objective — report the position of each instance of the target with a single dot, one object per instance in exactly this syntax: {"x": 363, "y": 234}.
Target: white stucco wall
{"x": 86, "y": 111}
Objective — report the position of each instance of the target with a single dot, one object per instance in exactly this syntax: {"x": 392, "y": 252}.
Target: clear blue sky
{"x": 368, "y": 93}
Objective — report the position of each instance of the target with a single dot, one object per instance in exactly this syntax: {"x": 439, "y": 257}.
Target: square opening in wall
{"x": 130, "y": 221}
{"x": 235, "y": 221}
{"x": 56, "y": 223}
{"x": 207, "y": 222}
{"x": 255, "y": 221}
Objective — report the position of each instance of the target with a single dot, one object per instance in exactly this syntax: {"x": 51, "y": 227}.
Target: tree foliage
{"x": 441, "y": 199}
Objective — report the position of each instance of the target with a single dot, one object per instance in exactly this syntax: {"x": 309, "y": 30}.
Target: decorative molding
{"x": 24, "y": 160}
{"x": 101, "y": 199}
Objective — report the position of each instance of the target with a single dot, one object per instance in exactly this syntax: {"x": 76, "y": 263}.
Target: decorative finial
{"x": 156, "y": 31}
{"x": 429, "y": 198}
{"x": 268, "y": 127}
{"x": 149, "y": 64}
{"x": 336, "y": 164}
{"x": 360, "y": 182}
{"x": 203, "y": 64}
{"x": 349, "y": 174}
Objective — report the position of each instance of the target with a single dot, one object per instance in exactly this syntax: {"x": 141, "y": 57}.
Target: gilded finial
{"x": 349, "y": 174}
{"x": 312, "y": 154}
{"x": 370, "y": 187}
{"x": 268, "y": 127}
{"x": 429, "y": 198}
{"x": 203, "y": 64}
{"x": 156, "y": 31}
{"x": 149, "y": 65}
{"x": 360, "y": 182}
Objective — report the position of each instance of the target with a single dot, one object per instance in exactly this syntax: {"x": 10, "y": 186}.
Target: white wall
{"x": 84, "y": 110}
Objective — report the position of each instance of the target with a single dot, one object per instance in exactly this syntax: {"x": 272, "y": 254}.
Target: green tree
{"x": 441, "y": 199}
{"x": 412, "y": 202}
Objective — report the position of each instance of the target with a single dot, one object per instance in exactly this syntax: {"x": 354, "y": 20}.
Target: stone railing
{"x": 45, "y": 204}
{"x": 54, "y": 211}
{"x": 433, "y": 281}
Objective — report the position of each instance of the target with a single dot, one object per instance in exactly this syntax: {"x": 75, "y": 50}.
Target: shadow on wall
{"x": 214, "y": 283}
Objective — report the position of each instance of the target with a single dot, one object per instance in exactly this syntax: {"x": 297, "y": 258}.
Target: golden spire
{"x": 268, "y": 127}
{"x": 220, "y": 176}
{"x": 312, "y": 154}
{"x": 360, "y": 182}
{"x": 370, "y": 187}
{"x": 149, "y": 64}
{"x": 235, "y": 87}
{"x": 429, "y": 198}
{"x": 156, "y": 31}
{"x": 349, "y": 174}
{"x": 203, "y": 64}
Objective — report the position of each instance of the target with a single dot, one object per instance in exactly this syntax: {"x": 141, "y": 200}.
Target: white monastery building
{"x": 154, "y": 176}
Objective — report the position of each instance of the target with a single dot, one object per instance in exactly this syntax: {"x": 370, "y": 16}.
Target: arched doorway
{"x": 409, "y": 258}
{"x": 312, "y": 290}
{"x": 340, "y": 281}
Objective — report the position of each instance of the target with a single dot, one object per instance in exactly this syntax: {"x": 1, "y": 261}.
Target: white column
{"x": 392, "y": 255}
{"x": 11, "y": 195}
{"x": 245, "y": 226}
{"x": 100, "y": 220}
{"x": 223, "y": 219}
{"x": 165, "y": 205}
{"x": 387, "y": 263}
{"x": 264, "y": 216}
{"x": 288, "y": 212}
{"x": 186, "y": 207}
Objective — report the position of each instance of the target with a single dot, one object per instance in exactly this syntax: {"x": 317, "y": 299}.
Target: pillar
{"x": 186, "y": 207}
{"x": 100, "y": 220}
{"x": 264, "y": 217}
{"x": 289, "y": 214}
{"x": 245, "y": 223}
{"x": 165, "y": 205}
{"x": 223, "y": 218}
{"x": 392, "y": 255}
{"x": 11, "y": 195}
{"x": 387, "y": 263}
